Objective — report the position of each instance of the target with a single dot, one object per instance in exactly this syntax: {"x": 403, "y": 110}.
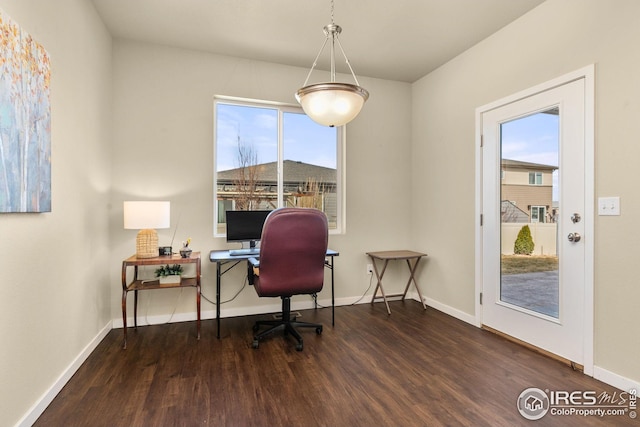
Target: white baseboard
{"x": 615, "y": 380}
{"x": 453, "y": 312}
{"x": 158, "y": 319}
{"x": 273, "y": 306}
{"x": 41, "y": 404}
{"x": 190, "y": 316}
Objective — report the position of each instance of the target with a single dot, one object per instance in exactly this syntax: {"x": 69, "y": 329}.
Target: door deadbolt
{"x": 575, "y": 218}
{"x": 574, "y": 237}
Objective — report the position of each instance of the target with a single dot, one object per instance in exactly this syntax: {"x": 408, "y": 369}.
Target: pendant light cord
{"x": 332, "y": 22}
{"x": 332, "y": 31}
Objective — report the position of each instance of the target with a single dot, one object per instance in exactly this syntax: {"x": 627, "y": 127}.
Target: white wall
{"x": 163, "y": 149}
{"x": 54, "y": 293}
{"x": 557, "y": 37}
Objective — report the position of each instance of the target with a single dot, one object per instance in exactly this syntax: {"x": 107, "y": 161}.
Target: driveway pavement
{"x": 534, "y": 291}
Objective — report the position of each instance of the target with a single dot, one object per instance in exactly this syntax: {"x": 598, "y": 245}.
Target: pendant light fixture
{"x": 332, "y": 103}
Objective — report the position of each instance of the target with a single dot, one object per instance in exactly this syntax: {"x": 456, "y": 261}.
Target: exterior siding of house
{"x": 517, "y": 189}
{"x": 525, "y": 196}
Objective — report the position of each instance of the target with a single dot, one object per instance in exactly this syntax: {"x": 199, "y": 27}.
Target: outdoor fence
{"x": 544, "y": 237}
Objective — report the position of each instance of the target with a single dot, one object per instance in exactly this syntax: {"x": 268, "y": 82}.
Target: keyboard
{"x": 241, "y": 252}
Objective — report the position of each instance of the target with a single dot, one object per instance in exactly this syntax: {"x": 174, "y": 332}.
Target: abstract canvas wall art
{"x": 25, "y": 121}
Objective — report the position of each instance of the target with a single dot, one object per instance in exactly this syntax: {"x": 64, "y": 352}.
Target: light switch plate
{"x": 608, "y": 205}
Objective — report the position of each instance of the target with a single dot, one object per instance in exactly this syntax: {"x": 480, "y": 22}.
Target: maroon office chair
{"x": 292, "y": 257}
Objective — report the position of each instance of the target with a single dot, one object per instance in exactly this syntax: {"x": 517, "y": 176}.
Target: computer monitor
{"x": 245, "y": 226}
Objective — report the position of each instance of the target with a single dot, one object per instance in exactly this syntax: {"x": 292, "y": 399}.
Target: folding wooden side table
{"x": 412, "y": 258}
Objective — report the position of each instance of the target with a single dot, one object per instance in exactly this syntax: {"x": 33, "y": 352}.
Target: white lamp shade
{"x": 147, "y": 215}
{"x": 332, "y": 104}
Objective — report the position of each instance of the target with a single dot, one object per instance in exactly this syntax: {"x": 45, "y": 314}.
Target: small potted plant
{"x": 167, "y": 274}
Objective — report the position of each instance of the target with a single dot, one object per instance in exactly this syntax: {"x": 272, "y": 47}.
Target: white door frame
{"x": 588, "y": 74}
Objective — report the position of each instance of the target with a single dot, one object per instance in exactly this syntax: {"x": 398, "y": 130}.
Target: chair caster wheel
{"x": 319, "y": 330}
{"x": 299, "y": 346}
{"x": 255, "y": 344}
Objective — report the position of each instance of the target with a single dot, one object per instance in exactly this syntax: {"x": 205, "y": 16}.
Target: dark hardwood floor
{"x": 412, "y": 368}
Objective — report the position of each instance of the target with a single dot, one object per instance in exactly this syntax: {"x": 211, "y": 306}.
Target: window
{"x": 538, "y": 213}
{"x": 535, "y": 178}
{"x": 269, "y": 155}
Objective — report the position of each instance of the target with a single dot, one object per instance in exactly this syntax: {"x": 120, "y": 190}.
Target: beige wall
{"x": 61, "y": 284}
{"x": 163, "y": 149}
{"x": 557, "y": 37}
{"x": 54, "y": 292}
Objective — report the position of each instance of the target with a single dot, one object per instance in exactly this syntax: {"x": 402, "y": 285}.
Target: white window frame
{"x": 283, "y": 108}
{"x": 536, "y": 175}
{"x": 542, "y": 213}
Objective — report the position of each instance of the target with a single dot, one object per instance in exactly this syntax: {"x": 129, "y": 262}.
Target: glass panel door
{"x": 529, "y": 204}
{"x": 536, "y": 157}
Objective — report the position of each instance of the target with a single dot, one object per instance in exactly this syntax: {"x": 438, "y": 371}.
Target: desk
{"x": 387, "y": 256}
{"x": 223, "y": 257}
{"x": 144, "y": 285}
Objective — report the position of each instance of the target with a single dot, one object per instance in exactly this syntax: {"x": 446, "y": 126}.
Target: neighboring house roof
{"x": 512, "y": 213}
{"x": 295, "y": 172}
{"x": 517, "y": 164}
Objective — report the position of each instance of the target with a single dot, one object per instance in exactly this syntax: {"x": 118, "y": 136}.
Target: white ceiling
{"x": 397, "y": 40}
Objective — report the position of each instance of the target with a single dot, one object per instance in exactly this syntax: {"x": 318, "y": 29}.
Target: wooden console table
{"x": 412, "y": 258}
{"x": 144, "y": 285}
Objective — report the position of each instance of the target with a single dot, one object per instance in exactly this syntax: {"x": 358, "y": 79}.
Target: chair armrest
{"x": 255, "y": 262}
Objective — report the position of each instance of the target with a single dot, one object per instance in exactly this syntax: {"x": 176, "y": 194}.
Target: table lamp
{"x": 146, "y": 217}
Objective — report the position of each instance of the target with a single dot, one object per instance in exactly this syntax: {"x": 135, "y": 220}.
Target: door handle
{"x": 574, "y": 237}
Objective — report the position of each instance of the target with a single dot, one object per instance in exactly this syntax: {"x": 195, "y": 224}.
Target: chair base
{"x": 286, "y": 324}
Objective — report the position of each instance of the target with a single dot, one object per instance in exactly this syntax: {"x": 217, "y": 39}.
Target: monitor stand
{"x": 251, "y": 250}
